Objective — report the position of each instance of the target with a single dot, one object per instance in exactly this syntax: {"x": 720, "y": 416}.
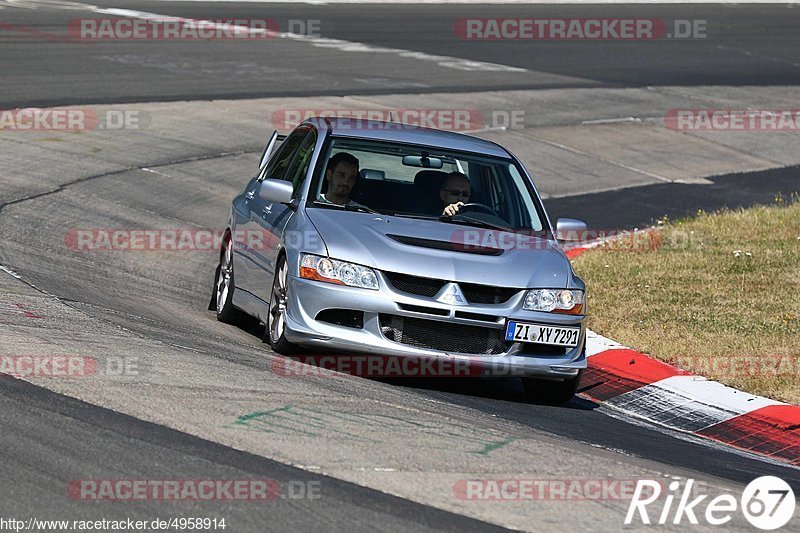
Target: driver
{"x": 454, "y": 193}
{"x": 342, "y": 175}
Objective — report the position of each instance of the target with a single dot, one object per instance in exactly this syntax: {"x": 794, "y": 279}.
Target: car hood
{"x": 396, "y": 244}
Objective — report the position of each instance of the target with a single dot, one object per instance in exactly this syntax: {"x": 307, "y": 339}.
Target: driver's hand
{"x": 452, "y": 209}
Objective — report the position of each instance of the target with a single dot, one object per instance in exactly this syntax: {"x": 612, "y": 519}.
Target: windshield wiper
{"x": 418, "y": 217}
{"x": 348, "y": 207}
{"x": 464, "y": 221}
{"x": 361, "y": 209}
{"x": 468, "y": 221}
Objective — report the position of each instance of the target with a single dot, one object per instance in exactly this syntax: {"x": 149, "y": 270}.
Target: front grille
{"x": 426, "y": 310}
{"x": 477, "y": 316}
{"x": 475, "y": 294}
{"x": 415, "y": 285}
{"x": 443, "y": 336}
{"x": 487, "y": 294}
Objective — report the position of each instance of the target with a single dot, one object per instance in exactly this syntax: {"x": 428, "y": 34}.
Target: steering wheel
{"x": 479, "y": 208}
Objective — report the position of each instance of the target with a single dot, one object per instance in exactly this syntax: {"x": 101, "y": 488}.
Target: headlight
{"x": 339, "y": 272}
{"x": 564, "y": 301}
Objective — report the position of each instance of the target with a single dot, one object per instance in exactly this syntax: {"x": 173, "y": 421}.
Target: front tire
{"x": 551, "y": 392}
{"x": 275, "y": 333}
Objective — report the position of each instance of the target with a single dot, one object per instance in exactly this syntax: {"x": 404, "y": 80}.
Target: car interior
{"x": 387, "y": 185}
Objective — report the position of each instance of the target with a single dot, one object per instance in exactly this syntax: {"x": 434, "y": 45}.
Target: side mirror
{"x": 278, "y": 191}
{"x": 570, "y": 229}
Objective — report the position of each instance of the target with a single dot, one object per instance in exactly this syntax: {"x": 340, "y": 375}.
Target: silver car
{"x": 379, "y": 238}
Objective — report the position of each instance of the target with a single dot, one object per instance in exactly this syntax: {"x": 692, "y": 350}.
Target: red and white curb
{"x": 663, "y": 394}
{"x": 666, "y": 395}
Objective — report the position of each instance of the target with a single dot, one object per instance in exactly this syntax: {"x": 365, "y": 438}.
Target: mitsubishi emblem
{"x": 451, "y": 294}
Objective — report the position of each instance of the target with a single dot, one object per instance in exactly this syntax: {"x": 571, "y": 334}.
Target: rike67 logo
{"x": 767, "y": 503}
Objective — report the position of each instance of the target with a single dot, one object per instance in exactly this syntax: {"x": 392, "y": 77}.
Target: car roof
{"x": 404, "y": 133}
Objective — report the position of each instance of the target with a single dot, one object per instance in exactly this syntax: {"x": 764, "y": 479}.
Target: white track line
{"x": 456, "y": 63}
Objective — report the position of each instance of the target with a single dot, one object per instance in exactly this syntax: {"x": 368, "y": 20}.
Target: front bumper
{"x": 307, "y": 298}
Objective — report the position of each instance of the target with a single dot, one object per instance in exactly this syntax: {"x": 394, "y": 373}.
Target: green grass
{"x": 717, "y": 294}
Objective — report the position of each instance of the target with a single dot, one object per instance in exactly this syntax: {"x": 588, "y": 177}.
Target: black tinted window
{"x": 279, "y": 163}
{"x": 302, "y": 159}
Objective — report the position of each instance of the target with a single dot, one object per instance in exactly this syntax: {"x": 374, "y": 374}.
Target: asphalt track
{"x": 42, "y": 449}
{"x": 170, "y": 422}
{"x": 637, "y": 207}
{"x": 745, "y": 45}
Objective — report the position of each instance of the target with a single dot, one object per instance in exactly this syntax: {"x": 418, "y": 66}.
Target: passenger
{"x": 342, "y": 176}
{"x": 455, "y": 187}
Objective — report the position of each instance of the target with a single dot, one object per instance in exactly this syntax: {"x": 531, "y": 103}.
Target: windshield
{"x": 427, "y": 182}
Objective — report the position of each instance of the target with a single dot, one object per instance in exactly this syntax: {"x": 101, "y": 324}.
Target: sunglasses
{"x": 457, "y": 192}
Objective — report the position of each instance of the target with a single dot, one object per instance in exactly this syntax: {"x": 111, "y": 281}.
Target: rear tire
{"x": 224, "y": 287}
{"x": 551, "y": 392}
{"x": 275, "y": 331}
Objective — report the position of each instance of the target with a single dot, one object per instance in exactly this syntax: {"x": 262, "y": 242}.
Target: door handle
{"x": 267, "y": 209}
{"x": 250, "y": 195}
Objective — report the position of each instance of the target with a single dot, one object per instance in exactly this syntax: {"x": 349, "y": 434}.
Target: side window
{"x": 299, "y": 168}
{"x": 280, "y": 162}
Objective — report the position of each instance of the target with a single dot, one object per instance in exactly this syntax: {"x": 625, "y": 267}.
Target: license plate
{"x": 558, "y": 336}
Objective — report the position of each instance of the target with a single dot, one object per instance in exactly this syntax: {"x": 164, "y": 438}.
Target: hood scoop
{"x": 446, "y": 245}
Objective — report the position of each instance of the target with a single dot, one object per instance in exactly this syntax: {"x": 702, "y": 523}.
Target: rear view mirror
{"x": 422, "y": 161}
{"x": 570, "y": 230}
